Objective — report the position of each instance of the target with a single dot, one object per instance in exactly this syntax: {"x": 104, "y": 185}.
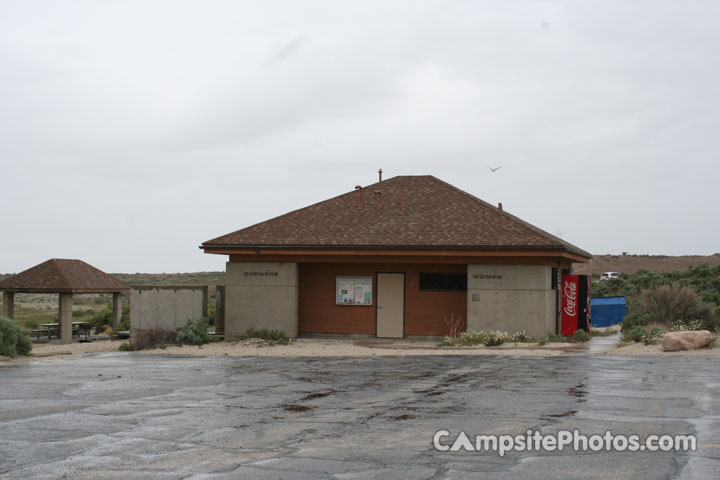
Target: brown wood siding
{"x": 425, "y": 312}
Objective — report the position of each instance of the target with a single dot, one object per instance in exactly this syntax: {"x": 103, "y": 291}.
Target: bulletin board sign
{"x": 353, "y": 290}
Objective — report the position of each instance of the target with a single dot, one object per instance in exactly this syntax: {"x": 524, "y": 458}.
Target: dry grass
{"x": 454, "y": 325}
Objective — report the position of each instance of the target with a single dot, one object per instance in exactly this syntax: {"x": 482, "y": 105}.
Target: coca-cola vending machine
{"x": 575, "y": 304}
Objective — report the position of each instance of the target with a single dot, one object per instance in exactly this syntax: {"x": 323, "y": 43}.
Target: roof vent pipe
{"x": 379, "y": 195}
{"x": 500, "y": 206}
{"x": 360, "y": 198}
{"x": 380, "y": 175}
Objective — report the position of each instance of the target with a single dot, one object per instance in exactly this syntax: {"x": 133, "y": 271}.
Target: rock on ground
{"x": 674, "y": 341}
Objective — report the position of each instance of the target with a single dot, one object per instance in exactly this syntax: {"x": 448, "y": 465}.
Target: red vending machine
{"x": 575, "y": 304}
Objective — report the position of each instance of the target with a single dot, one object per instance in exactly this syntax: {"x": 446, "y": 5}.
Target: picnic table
{"x": 54, "y": 328}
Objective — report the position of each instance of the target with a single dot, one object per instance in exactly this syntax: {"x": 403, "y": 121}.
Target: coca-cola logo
{"x": 570, "y": 294}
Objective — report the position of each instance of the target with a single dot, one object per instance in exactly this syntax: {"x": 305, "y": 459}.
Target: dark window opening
{"x": 443, "y": 282}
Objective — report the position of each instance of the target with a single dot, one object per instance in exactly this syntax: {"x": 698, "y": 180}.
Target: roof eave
{"x": 63, "y": 290}
{"x": 511, "y": 250}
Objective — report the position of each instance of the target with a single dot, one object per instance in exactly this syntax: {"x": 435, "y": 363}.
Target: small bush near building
{"x": 124, "y": 347}
{"x": 521, "y": 337}
{"x": 272, "y": 337}
{"x": 495, "y": 338}
{"x": 581, "y": 336}
{"x": 454, "y": 325}
{"x": 13, "y": 341}
{"x": 465, "y": 339}
{"x": 469, "y": 339}
{"x": 543, "y": 340}
{"x": 194, "y": 332}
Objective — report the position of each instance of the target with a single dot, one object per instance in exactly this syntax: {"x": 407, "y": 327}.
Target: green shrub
{"x": 472, "y": 338}
{"x": 211, "y": 313}
{"x": 683, "y": 325}
{"x": 194, "y": 332}
{"x": 714, "y": 325}
{"x": 448, "y": 342}
{"x": 103, "y": 319}
{"x": 489, "y": 339}
{"x": 495, "y": 338}
{"x": 272, "y": 337}
{"x": 637, "y": 319}
{"x": 124, "y": 347}
{"x": 465, "y": 339}
{"x": 124, "y": 326}
{"x": 636, "y": 334}
{"x": 557, "y": 338}
{"x": 543, "y": 340}
{"x": 669, "y": 303}
{"x": 13, "y": 341}
{"x": 521, "y": 337}
{"x": 653, "y": 336}
{"x": 581, "y": 336}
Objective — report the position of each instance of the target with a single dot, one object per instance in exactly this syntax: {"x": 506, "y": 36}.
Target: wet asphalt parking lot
{"x": 129, "y": 415}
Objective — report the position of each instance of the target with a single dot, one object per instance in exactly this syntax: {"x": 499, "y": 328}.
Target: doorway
{"x": 390, "y": 310}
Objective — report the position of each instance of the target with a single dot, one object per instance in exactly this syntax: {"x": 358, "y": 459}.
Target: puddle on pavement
{"x": 577, "y": 391}
{"x": 313, "y": 396}
{"x": 297, "y": 408}
{"x": 403, "y": 417}
{"x": 569, "y": 413}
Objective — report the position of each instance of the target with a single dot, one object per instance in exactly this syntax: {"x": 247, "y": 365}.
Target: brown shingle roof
{"x": 63, "y": 276}
{"x": 417, "y": 212}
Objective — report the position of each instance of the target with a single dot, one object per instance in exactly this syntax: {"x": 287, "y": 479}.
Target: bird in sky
{"x": 494, "y": 169}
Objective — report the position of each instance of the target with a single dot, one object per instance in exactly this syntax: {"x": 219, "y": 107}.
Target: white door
{"x": 391, "y": 305}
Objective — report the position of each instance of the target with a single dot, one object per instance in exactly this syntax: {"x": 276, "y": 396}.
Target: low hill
{"x": 651, "y": 263}
{"x": 599, "y": 264}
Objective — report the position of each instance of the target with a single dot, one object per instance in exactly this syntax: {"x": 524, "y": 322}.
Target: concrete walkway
{"x": 595, "y": 345}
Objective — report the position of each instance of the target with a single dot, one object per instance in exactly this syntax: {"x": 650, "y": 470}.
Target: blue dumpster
{"x": 606, "y": 311}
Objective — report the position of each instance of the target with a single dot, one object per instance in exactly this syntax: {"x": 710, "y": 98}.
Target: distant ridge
{"x": 653, "y": 263}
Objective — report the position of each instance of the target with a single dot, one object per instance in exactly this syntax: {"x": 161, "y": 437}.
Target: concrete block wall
{"x": 261, "y": 295}
{"x": 166, "y": 307}
{"x": 511, "y": 298}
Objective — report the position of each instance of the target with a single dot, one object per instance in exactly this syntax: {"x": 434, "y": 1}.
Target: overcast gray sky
{"x": 132, "y": 131}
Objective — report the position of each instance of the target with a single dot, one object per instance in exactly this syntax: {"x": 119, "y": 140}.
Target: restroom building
{"x": 402, "y": 257}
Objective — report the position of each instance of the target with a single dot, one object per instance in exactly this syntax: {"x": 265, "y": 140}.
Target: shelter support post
{"x": 65, "y": 314}
{"x": 8, "y": 310}
{"x": 117, "y": 310}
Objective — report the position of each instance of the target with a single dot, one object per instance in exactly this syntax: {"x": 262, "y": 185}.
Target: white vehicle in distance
{"x": 609, "y": 275}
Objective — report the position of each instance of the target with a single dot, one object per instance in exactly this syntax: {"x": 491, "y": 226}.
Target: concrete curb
{"x": 401, "y": 346}
{"x": 50, "y": 354}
